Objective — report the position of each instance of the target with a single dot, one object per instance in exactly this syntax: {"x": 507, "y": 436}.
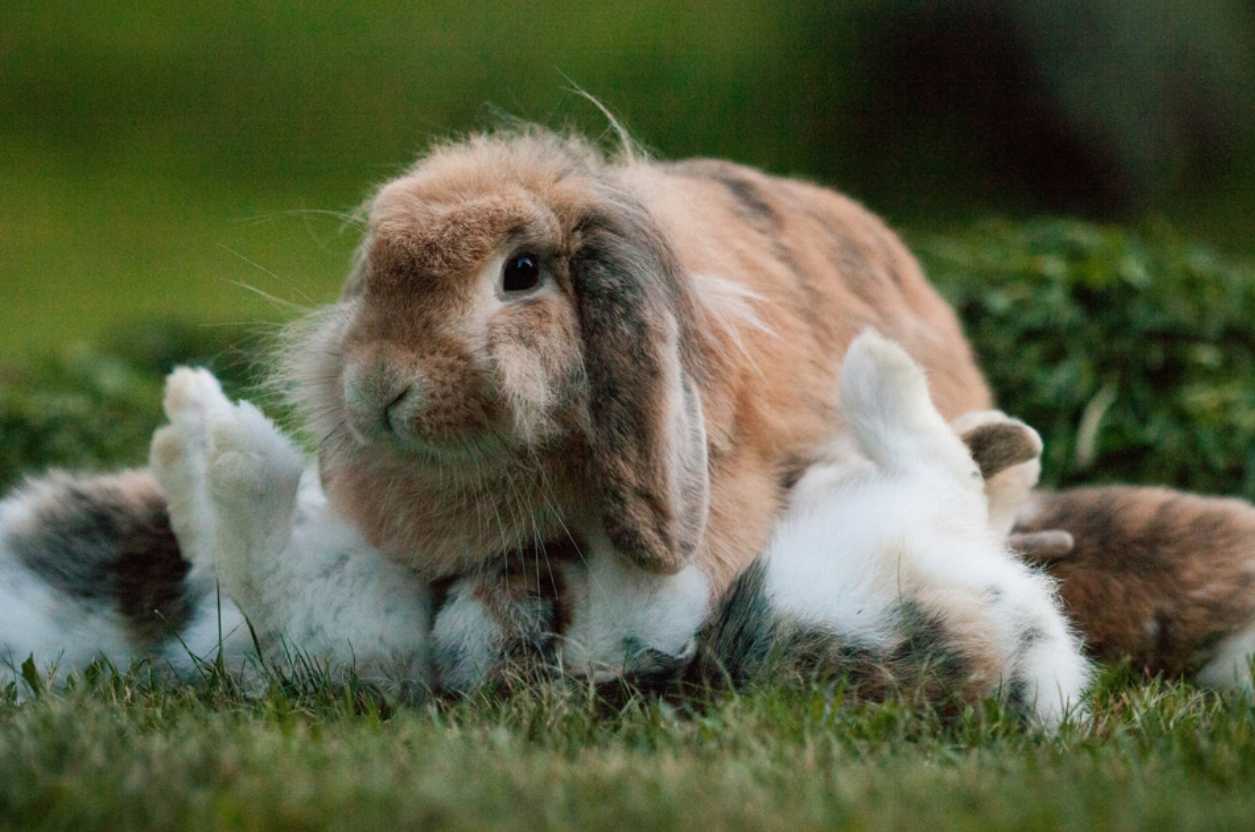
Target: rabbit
{"x": 541, "y": 343}
{"x": 91, "y": 569}
{"x": 247, "y": 509}
{"x": 224, "y": 548}
{"x": 1162, "y": 580}
{"x": 891, "y": 567}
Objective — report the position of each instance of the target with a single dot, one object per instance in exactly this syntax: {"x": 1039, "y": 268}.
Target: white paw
{"x": 884, "y": 397}
{"x": 623, "y": 619}
{"x": 192, "y": 396}
{"x": 1056, "y": 678}
{"x": 238, "y": 476}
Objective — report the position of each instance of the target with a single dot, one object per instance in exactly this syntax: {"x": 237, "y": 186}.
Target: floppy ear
{"x": 648, "y": 432}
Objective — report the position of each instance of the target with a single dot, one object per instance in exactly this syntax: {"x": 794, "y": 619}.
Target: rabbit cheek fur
{"x": 658, "y": 394}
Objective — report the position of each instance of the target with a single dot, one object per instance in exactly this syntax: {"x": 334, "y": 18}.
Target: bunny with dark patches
{"x": 1163, "y": 580}
{"x": 891, "y": 568}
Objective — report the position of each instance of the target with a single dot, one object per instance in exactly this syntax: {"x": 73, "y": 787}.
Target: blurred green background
{"x": 174, "y": 177}
{"x": 155, "y": 155}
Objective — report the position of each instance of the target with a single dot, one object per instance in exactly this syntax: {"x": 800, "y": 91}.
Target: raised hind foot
{"x": 253, "y": 474}
{"x": 1008, "y": 453}
{"x": 178, "y": 457}
{"x": 884, "y": 395}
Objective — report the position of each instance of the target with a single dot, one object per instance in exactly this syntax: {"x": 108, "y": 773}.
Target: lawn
{"x": 175, "y": 182}
{"x": 121, "y": 754}
{"x": 1061, "y": 311}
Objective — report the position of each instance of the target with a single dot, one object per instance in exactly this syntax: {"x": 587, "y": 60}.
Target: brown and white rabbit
{"x": 539, "y": 342}
{"x": 1157, "y": 578}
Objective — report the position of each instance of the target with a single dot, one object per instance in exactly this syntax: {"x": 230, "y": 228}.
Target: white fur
{"x": 468, "y": 639}
{"x": 619, "y": 609}
{"x": 910, "y": 522}
{"x": 1230, "y": 665}
{"x": 304, "y": 579}
{"x": 58, "y": 632}
{"x": 900, "y": 512}
{"x": 63, "y": 634}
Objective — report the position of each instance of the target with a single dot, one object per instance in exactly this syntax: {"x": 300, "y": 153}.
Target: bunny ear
{"x": 648, "y": 433}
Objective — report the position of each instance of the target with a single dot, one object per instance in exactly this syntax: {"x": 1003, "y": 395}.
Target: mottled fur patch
{"x": 998, "y": 446}
{"x": 107, "y": 541}
{"x": 1155, "y": 577}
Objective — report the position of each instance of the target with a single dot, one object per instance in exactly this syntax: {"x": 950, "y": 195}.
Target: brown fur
{"x": 1155, "y": 576}
{"x": 808, "y": 268}
{"x": 999, "y": 446}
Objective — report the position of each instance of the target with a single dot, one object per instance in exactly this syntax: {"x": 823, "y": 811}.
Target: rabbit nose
{"x": 399, "y": 415}
{"x": 380, "y": 403}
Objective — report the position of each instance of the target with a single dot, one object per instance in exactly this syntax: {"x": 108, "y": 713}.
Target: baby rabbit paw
{"x": 178, "y": 459}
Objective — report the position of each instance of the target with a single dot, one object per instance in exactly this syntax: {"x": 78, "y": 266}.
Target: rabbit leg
{"x": 623, "y": 618}
{"x": 178, "y": 459}
{"x": 1044, "y": 671}
{"x": 254, "y": 474}
{"x": 1230, "y": 667}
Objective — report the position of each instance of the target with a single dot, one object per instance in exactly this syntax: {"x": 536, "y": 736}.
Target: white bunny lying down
{"x": 890, "y": 567}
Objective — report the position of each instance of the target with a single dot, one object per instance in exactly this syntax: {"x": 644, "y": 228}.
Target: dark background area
{"x": 153, "y": 155}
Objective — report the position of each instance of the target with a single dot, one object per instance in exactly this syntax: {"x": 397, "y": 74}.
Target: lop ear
{"x": 648, "y": 432}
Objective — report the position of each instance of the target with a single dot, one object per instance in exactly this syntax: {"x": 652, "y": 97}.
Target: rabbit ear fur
{"x": 648, "y": 435}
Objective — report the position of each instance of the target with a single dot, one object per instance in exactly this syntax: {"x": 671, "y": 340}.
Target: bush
{"x": 1132, "y": 353}
{"x": 96, "y": 408}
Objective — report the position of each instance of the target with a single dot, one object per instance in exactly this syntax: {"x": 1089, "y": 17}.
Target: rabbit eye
{"x": 521, "y": 273}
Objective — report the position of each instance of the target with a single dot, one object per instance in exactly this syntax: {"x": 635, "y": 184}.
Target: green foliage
{"x": 96, "y": 408}
{"x": 1132, "y": 353}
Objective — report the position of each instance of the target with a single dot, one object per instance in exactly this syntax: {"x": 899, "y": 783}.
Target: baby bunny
{"x": 1160, "y": 579}
{"x": 246, "y": 511}
{"x": 890, "y": 569}
{"x": 891, "y": 566}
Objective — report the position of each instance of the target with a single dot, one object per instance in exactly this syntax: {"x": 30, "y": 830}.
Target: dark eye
{"x": 521, "y": 272}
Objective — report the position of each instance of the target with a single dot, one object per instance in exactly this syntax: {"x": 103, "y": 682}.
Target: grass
{"x": 129, "y": 751}
{"x": 156, "y": 158}
{"x": 122, "y": 753}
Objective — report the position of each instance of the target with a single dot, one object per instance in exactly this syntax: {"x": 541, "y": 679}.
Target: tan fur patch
{"x": 802, "y": 270}
{"x": 1155, "y": 576}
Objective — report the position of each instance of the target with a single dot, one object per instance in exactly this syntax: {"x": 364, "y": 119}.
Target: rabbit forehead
{"x": 412, "y": 236}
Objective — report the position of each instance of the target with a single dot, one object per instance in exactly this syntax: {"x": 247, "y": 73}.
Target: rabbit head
{"x": 513, "y": 351}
